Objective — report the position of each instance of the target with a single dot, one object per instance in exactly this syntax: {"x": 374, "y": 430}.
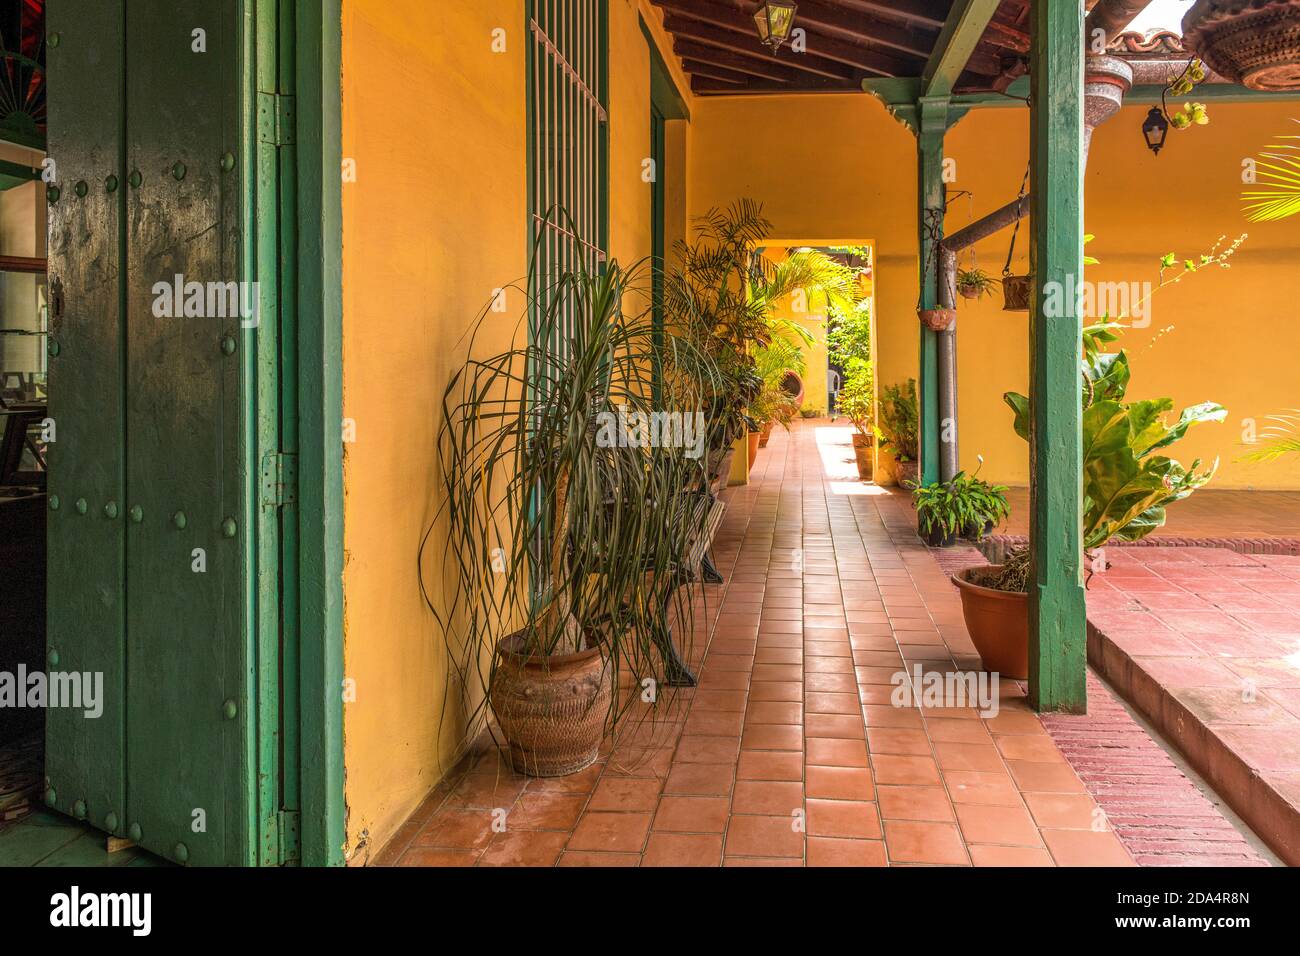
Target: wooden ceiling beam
{"x": 925, "y": 13}
{"x": 820, "y": 48}
{"x": 705, "y": 86}
{"x": 962, "y": 34}
{"x": 705, "y": 39}
{"x": 761, "y": 67}
{"x": 715, "y": 72}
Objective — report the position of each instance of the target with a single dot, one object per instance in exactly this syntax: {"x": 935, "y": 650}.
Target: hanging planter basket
{"x": 1252, "y": 42}
{"x": 1017, "y": 293}
{"x": 937, "y": 320}
{"x": 968, "y": 291}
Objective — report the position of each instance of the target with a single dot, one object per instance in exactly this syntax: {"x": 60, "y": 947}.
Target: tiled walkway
{"x": 790, "y": 751}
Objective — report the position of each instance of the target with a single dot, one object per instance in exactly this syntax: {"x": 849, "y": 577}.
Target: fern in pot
{"x": 571, "y": 489}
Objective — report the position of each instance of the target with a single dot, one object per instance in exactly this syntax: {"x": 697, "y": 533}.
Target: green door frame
{"x": 317, "y": 43}
{"x": 666, "y": 103}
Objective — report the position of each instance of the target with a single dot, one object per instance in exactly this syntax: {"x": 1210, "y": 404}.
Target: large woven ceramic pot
{"x": 551, "y": 710}
{"x": 1252, "y": 42}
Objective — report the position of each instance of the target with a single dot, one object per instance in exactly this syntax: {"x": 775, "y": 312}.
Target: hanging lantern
{"x": 775, "y": 19}
{"x": 1155, "y": 129}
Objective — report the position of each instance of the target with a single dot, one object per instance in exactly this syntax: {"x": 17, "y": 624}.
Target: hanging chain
{"x": 932, "y": 227}
{"x": 1010, "y": 252}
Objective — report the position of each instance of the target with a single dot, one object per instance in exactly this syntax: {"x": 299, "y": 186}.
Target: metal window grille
{"x": 568, "y": 139}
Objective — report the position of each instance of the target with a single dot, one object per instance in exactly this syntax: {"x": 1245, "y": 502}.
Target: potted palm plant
{"x": 567, "y": 506}
{"x": 1127, "y": 487}
{"x": 722, "y": 298}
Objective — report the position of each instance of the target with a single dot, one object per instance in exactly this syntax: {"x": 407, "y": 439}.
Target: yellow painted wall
{"x": 856, "y": 179}
{"x": 1226, "y": 335}
{"x": 829, "y": 169}
{"x": 435, "y": 222}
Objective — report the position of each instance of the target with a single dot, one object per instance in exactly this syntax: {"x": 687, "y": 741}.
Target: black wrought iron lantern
{"x": 1155, "y": 129}
{"x": 775, "y": 19}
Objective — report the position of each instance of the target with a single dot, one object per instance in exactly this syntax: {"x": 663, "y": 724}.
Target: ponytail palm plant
{"x": 569, "y": 492}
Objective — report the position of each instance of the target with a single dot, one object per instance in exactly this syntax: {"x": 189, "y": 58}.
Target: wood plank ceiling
{"x": 847, "y": 41}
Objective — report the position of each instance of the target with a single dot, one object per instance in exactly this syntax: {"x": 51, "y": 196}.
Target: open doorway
{"x": 828, "y": 341}
{"x": 24, "y": 397}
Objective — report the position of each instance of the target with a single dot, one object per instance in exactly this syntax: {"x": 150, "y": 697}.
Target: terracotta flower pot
{"x": 1017, "y": 293}
{"x": 552, "y": 711}
{"x": 753, "y": 447}
{"x": 863, "y": 451}
{"x": 998, "y": 622}
{"x": 1255, "y": 44}
{"x": 765, "y": 435}
{"x": 907, "y": 473}
{"x": 969, "y": 291}
{"x": 938, "y": 320}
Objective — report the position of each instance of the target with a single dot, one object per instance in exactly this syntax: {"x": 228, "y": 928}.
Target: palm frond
{"x": 1282, "y": 199}
{"x": 1282, "y": 437}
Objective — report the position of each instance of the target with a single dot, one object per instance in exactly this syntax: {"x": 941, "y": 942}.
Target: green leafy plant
{"x": 857, "y": 399}
{"x": 963, "y": 506}
{"x": 1126, "y": 486}
{"x": 774, "y": 362}
{"x": 975, "y": 283}
{"x": 1192, "y": 114}
{"x": 899, "y": 423}
{"x": 561, "y": 536}
{"x": 1278, "y": 169}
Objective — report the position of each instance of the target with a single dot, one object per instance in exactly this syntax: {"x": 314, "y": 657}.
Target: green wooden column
{"x": 1057, "y": 621}
{"x": 932, "y": 124}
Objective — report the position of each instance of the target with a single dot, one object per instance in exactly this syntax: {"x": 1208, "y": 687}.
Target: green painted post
{"x": 1057, "y": 614}
{"x": 318, "y": 54}
{"x": 933, "y": 124}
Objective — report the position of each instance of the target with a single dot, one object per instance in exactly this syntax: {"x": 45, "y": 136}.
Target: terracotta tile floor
{"x": 790, "y": 751}
{"x": 1206, "y": 641}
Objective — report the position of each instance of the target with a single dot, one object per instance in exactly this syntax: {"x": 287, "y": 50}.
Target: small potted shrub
{"x": 1127, "y": 487}
{"x": 857, "y": 404}
{"x": 974, "y": 283}
{"x": 965, "y": 507}
{"x": 898, "y": 430}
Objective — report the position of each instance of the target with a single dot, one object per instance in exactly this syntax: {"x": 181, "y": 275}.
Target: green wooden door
{"x": 156, "y": 398}
{"x": 86, "y": 577}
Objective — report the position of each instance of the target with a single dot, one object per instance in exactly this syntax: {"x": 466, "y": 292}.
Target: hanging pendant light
{"x": 1155, "y": 129}
{"x": 775, "y": 19}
